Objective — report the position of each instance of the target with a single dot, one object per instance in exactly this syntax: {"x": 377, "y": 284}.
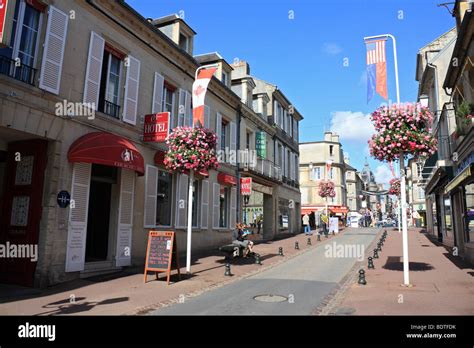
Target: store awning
{"x": 459, "y": 179}
{"x": 310, "y": 209}
{"x": 106, "y": 149}
{"x": 339, "y": 210}
{"x": 226, "y": 179}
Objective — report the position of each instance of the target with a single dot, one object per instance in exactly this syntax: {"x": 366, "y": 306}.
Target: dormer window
{"x": 225, "y": 77}
{"x": 183, "y": 42}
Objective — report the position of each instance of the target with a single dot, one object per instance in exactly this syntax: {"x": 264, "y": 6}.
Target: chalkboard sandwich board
{"x": 161, "y": 254}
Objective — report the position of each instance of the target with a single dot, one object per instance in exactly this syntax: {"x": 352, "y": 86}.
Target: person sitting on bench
{"x": 239, "y": 238}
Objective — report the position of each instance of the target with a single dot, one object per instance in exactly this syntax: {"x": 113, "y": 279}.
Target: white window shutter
{"x": 181, "y": 107}
{"x": 204, "y": 203}
{"x": 216, "y": 205}
{"x": 233, "y": 207}
{"x": 207, "y": 117}
{"x": 125, "y": 220}
{"x": 157, "y": 93}
{"x": 218, "y": 129}
{"x": 151, "y": 187}
{"x": 275, "y": 112}
{"x": 182, "y": 201}
{"x": 53, "y": 53}
{"x": 132, "y": 82}
{"x": 94, "y": 69}
{"x": 77, "y": 230}
{"x": 188, "y": 116}
{"x": 233, "y": 141}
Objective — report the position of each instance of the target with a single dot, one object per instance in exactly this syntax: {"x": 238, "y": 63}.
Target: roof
{"x": 169, "y": 19}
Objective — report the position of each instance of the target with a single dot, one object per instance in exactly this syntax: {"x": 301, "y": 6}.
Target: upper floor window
{"x": 183, "y": 42}
{"x": 316, "y": 173}
{"x": 19, "y": 60}
{"x": 225, "y": 78}
{"x": 110, "y": 85}
{"x": 331, "y": 150}
{"x": 168, "y": 101}
{"x": 224, "y": 130}
{"x": 247, "y": 142}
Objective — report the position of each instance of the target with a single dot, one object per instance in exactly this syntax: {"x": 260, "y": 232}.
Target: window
{"x": 421, "y": 193}
{"x": 223, "y": 206}
{"x": 469, "y": 213}
{"x": 448, "y": 221}
{"x": 331, "y": 148}
{"x": 168, "y": 101}
{"x": 331, "y": 173}
{"x": 247, "y": 143}
{"x": 224, "y": 78}
{"x": 316, "y": 173}
{"x": 224, "y": 130}
{"x": 164, "y": 194}
{"x": 183, "y": 42}
{"x": 26, "y": 27}
{"x": 109, "y": 95}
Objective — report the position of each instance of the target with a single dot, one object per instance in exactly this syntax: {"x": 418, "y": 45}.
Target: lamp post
{"x": 328, "y": 169}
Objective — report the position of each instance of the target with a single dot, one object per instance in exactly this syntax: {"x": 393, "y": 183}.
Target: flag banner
{"x": 376, "y": 69}
{"x": 199, "y": 94}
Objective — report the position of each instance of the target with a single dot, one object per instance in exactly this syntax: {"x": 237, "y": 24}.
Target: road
{"x": 300, "y": 284}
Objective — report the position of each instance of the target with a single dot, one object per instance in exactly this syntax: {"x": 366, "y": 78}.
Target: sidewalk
{"x": 126, "y": 293}
{"x": 442, "y": 283}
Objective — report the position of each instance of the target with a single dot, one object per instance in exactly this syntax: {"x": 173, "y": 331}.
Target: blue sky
{"x": 305, "y": 55}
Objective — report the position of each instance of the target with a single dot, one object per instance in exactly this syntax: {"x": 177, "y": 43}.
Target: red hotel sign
{"x": 246, "y": 186}
{"x": 7, "y": 8}
{"x": 156, "y": 127}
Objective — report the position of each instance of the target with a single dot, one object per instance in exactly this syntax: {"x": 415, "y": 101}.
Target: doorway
{"x": 103, "y": 179}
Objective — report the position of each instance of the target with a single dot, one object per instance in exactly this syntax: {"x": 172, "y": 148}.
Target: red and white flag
{"x": 199, "y": 93}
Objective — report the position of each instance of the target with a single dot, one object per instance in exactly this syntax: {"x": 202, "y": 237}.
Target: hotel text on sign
{"x": 246, "y": 186}
{"x": 156, "y": 127}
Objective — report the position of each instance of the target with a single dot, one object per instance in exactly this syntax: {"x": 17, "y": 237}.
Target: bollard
{"x": 227, "y": 269}
{"x": 280, "y": 251}
{"x": 257, "y": 259}
{"x": 309, "y": 241}
{"x": 379, "y": 247}
{"x": 381, "y": 242}
{"x": 319, "y": 237}
{"x": 333, "y": 233}
{"x": 376, "y": 254}
{"x": 371, "y": 263}
{"x": 297, "y": 246}
{"x": 362, "y": 280}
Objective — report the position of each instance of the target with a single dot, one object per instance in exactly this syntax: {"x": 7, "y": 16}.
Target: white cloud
{"x": 354, "y": 126}
{"x": 383, "y": 175}
{"x": 332, "y": 48}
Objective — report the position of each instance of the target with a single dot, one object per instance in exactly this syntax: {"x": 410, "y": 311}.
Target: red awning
{"x": 226, "y": 179}
{"x": 337, "y": 210}
{"x": 310, "y": 209}
{"x": 107, "y": 149}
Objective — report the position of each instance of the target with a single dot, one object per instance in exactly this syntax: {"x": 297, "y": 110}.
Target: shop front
{"x": 104, "y": 171}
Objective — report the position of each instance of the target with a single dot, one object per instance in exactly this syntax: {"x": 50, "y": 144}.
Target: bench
{"x": 232, "y": 251}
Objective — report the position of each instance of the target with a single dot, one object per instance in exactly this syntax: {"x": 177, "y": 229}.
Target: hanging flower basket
{"x": 191, "y": 149}
{"x": 402, "y": 127}
{"x": 394, "y": 187}
{"x": 326, "y": 189}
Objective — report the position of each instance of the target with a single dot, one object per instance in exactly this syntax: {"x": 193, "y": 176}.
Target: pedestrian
{"x": 259, "y": 225}
{"x": 307, "y": 228}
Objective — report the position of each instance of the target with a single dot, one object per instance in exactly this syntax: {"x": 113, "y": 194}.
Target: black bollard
{"x": 308, "y": 242}
{"x": 379, "y": 247}
{"x": 227, "y": 269}
{"x": 362, "y": 280}
{"x": 257, "y": 259}
{"x": 376, "y": 254}
{"x": 319, "y": 237}
{"x": 280, "y": 251}
{"x": 381, "y": 241}
{"x": 371, "y": 263}
{"x": 297, "y": 246}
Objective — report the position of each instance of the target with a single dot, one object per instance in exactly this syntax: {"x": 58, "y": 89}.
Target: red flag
{"x": 199, "y": 94}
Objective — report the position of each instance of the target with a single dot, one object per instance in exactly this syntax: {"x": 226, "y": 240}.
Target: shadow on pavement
{"x": 394, "y": 263}
{"x": 66, "y": 307}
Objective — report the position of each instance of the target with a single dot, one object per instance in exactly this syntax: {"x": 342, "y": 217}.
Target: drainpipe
{"x": 239, "y": 118}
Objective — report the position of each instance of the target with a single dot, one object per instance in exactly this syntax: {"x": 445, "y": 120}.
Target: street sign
{"x": 246, "y": 186}
{"x": 63, "y": 199}
{"x": 156, "y": 127}
{"x": 261, "y": 145}
{"x": 7, "y": 8}
{"x": 161, "y": 254}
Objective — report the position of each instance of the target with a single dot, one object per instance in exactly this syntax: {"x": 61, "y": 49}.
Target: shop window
{"x": 19, "y": 60}
{"x": 164, "y": 194}
{"x": 448, "y": 220}
{"x": 469, "y": 212}
{"x": 224, "y": 197}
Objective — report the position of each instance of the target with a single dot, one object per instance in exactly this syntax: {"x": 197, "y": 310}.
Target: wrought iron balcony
{"x": 22, "y": 72}
{"x": 111, "y": 109}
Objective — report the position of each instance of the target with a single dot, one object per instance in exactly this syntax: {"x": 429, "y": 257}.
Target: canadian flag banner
{"x": 199, "y": 93}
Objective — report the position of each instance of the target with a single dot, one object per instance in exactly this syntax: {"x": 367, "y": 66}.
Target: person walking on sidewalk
{"x": 307, "y": 228}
